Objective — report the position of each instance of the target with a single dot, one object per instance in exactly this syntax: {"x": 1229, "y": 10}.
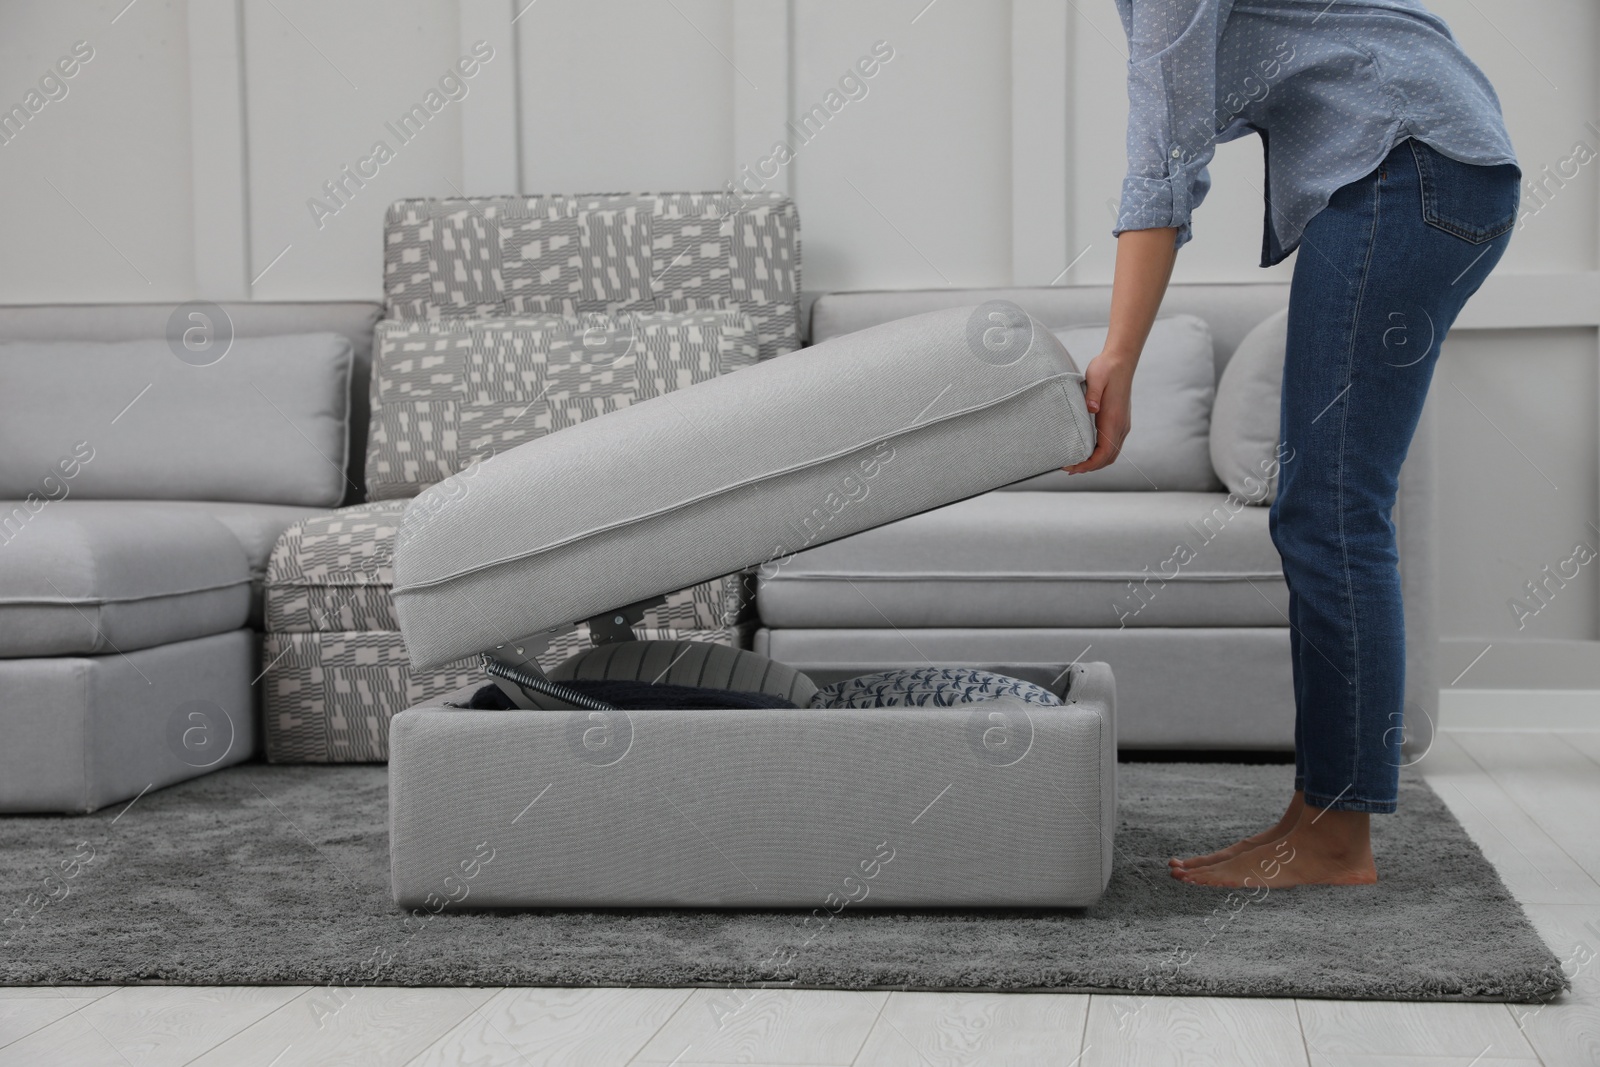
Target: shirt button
{"x": 1176, "y": 152}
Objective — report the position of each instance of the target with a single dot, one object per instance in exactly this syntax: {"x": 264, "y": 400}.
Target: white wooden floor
{"x": 1529, "y": 799}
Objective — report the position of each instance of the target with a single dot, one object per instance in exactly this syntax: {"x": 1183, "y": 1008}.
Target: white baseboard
{"x": 1519, "y": 709}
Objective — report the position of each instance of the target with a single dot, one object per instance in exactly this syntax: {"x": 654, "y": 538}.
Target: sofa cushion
{"x": 1040, "y": 559}
{"x": 267, "y": 422}
{"x": 1173, "y": 391}
{"x": 1245, "y": 419}
{"x": 352, "y": 319}
{"x": 92, "y": 576}
{"x": 258, "y": 527}
{"x": 801, "y": 449}
{"x": 613, "y": 252}
{"x": 447, "y": 391}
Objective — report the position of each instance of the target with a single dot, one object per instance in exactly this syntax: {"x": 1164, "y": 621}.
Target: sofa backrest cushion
{"x": 1244, "y": 420}
{"x": 266, "y": 422}
{"x": 1230, "y": 309}
{"x": 351, "y": 319}
{"x": 565, "y": 254}
{"x": 449, "y": 391}
{"x": 1173, "y": 390}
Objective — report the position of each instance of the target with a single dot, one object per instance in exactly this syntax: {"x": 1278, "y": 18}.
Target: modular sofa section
{"x": 993, "y": 803}
{"x": 81, "y": 732}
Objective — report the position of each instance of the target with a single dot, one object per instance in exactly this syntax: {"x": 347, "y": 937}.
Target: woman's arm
{"x": 1144, "y": 266}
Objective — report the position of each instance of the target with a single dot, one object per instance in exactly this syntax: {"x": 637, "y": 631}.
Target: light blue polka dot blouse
{"x": 1331, "y": 88}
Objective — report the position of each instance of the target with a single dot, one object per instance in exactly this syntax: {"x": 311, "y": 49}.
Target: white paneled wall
{"x": 192, "y": 155}
{"x": 96, "y": 183}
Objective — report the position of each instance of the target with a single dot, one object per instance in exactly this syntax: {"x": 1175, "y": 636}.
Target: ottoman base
{"x": 990, "y": 804}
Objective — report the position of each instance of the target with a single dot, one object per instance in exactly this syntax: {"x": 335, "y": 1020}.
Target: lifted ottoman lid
{"x": 752, "y": 466}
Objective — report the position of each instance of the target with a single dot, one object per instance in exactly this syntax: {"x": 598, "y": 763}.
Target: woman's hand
{"x": 1139, "y": 280}
{"x": 1108, "y": 391}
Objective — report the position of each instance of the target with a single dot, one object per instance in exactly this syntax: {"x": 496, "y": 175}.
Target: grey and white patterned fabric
{"x": 609, "y": 252}
{"x": 448, "y": 391}
{"x": 930, "y": 687}
{"x": 329, "y": 696}
{"x": 336, "y": 668}
{"x": 332, "y": 572}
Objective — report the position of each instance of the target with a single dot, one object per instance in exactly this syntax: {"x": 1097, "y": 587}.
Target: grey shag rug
{"x": 268, "y": 874}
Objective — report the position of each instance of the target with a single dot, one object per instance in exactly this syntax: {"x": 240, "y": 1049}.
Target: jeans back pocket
{"x": 1476, "y": 203}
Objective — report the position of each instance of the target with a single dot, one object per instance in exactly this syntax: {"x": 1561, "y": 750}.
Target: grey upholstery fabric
{"x": 1041, "y": 559}
{"x": 265, "y": 423}
{"x": 353, "y": 320}
{"x": 887, "y": 807}
{"x": 82, "y": 732}
{"x": 750, "y": 466}
{"x": 1244, "y": 422}
{"x": 1173, "y": 391}
{"x": 258, "y": 527}
{"x": 610, "y": 252}
{"x": 1230, "y": 310}
{"x": 102, "y": 576}
{"x": 1177, "y": 687}
{"x": 1257, "y": 718}
{"x": 693, "y": 663}
{"x": 447, "y": 391}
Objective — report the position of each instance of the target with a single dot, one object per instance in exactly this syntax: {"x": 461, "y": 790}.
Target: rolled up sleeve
{"x": 1172, "y": 86}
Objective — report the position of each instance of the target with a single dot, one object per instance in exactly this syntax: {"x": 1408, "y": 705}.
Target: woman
{"x": 1389, "y": 167}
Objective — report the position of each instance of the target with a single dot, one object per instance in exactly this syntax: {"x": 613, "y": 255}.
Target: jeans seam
{"x": 1344, "y": 422}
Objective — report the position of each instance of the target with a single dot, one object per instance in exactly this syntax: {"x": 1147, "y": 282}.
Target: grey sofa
{"x": 1044, "y": 576}
{"x": 99, "y": 692}
{"x": 128, "y": 643}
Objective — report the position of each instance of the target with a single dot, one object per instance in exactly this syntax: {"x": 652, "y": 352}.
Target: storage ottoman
{"x": 989, "y": 801}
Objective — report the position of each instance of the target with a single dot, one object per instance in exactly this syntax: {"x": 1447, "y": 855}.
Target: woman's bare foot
{"x": 1323, "y": 848}
{"x": 1265, "y": 837}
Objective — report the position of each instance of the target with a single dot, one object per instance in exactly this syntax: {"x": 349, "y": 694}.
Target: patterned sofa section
{"x": 449, "y": 391}
{"x": 511, "y": 318}
{"x": 335, "y": 666}
{"x": 513, "y": 256}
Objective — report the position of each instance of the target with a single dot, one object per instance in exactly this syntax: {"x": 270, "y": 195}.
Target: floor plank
{"x": 976, "y": 1030}
{"x": 794, "y": 1026}
{"x": 1463, "y": 1032}
{"x": 1554, "y": 783}
{"x": 1587, "y": 742}
{"x": 1567, "y": 1030}
{"x": 376, "y": 1025}
{"x": 57, "y": 992}
{"x": 1191, "y": 1032}
{"x": 71, "y": 1040}
{"x": 535, "y": 1027}
{"x": 155, "y": 1026}
{"x": 1533, "y": 867}
{"x": 21, "y": 1016}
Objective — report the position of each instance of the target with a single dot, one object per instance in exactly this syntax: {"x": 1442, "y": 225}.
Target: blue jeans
{"x": 1382, "y": 272}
